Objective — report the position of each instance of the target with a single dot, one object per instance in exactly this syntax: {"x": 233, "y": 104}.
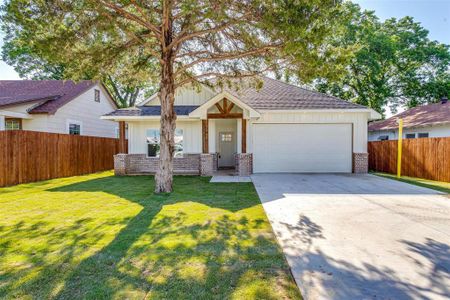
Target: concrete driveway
{"x": 360, "y": 236}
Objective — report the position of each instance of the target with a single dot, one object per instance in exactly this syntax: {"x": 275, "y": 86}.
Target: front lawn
{"x": 431, "y": 184}
{"x": 100, "y": 236}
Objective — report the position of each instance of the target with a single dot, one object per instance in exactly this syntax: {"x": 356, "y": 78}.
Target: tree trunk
{"x": 164, "y": 175}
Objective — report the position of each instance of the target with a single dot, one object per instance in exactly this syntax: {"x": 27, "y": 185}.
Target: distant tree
{"x": 394, "y": 63}
{"x": 27, "y": 63}
{"x": 180, "y": 42}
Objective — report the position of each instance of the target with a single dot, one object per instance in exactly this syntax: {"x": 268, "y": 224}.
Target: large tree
{"x": 182, "y": 41}
{"x": 394, "y": 63}
{"x": 27, "y": 62}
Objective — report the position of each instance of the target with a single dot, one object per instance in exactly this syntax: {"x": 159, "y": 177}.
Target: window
{"x": 410, "y": 135}
{"x": 97, "y": 95}
{"x": 226, "y": 137}
{"x": 383, "y": 138}
{"x": 153, "y": 141}
{"x": 13, "y": 124}
{"x": 75, "y": 129}
{"x": 423, "y": 135}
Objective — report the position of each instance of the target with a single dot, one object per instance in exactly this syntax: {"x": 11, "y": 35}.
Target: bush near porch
{"x": 100, "y": 236}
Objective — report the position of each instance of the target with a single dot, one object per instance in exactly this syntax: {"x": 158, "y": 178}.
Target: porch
{"x": 214, "y": 138}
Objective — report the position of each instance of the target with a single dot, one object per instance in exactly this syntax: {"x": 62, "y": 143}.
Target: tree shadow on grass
{"x": 194, "y": 243}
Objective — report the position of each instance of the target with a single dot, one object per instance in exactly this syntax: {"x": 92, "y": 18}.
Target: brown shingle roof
{"x": 52, "y": 94}
{"x": 431, "y": 114}
{"x": 278, "y": 95}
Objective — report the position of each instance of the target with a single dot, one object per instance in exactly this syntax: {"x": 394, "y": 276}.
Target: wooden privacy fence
{"x": 28, "y": 156}
{"x": 427, "y": 158}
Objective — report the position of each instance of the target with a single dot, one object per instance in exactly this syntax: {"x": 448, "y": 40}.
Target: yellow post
{"x": 399, "y": 148}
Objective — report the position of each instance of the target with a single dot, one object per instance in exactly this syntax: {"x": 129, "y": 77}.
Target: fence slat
{"x": 29, "y": 156}
{"x": 427, "y": 158}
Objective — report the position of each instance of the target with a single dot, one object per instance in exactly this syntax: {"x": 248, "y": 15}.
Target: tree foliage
{"x": 394, "y": 63}
{"x": 180, "y": 42}
{"x": 29, "y": 65}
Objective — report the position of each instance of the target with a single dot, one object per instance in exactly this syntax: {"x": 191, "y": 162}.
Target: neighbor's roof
{"x": 431, "y": 114}
{"x": 278, "y": 95}
{"x": 50, "y": 94}
{"x": 180, "y": 110}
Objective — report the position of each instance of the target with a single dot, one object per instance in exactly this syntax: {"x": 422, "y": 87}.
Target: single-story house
{"x": 277, "y": 128}
{"x": 56, "y": 106}
{"x": 432, "y": 120}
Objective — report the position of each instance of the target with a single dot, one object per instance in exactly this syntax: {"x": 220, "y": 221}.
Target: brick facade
{"x": 243, "y": 164}
{"x": 360, "y": 163}
{"x": 129, "y": 164}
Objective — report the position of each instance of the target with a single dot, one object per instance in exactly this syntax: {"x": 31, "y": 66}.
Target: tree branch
{"x": 227, "y": 56}
{"x": 133, "y": 17}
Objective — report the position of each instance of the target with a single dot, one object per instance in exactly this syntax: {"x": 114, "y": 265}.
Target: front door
{"x": 227, "y": 148}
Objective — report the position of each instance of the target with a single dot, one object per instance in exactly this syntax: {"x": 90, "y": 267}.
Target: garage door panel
{"x": 302, "y": 147}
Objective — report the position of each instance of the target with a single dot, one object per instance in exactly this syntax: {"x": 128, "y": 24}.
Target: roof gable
{"x": 202, "y": 111}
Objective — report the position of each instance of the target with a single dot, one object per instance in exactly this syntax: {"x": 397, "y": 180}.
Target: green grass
{"x": 106, "y": 237}
{"x": 431, "y": 184}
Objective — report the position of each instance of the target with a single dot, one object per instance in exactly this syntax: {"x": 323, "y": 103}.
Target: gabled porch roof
{"x": 202, "y": 111}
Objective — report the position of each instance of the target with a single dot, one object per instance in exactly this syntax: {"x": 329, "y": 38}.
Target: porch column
{"x": 205, "y": 142}
{"x": 122, "y": 140}
{"x": 2, "y": 123}
{"x": 244, "y": 136}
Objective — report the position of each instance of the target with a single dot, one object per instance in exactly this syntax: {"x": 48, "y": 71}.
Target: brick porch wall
{"x": 360, "y": 163}
{"x": 244, "y": 164}
{"x": 129, "y": 164}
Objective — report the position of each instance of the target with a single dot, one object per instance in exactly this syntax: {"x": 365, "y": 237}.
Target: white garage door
{"x": 302, "y": 148}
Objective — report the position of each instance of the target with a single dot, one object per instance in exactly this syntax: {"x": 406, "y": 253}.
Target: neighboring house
{"x": 56, "y": 106}
{"x": 278, "y": 128}
{"x": 432, "y": 120}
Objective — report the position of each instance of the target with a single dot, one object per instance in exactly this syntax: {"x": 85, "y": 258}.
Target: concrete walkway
{"x": 360, "y": 236}
{"x": 224, "y": 178}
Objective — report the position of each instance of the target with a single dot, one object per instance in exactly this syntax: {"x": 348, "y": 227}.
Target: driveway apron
{"x": 360, "y": 236}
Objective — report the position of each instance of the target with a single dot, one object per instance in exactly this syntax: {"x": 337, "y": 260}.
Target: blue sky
{"x": 433, "y": 14}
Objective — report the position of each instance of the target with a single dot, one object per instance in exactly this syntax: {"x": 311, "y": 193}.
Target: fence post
{"x": 399, "y": 148}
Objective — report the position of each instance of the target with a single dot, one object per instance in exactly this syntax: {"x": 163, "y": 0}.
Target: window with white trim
{"x": 423, "y": 135}
{"x": 13, "y": 124}
{"x": 410, "y": 136}
{"x": 154, "y": 139}
{"x": 383, "y": 138}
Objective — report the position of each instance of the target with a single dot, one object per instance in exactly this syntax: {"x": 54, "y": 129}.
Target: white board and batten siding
{"x": 280, "y": 140}
{"x": 187, "y": 96}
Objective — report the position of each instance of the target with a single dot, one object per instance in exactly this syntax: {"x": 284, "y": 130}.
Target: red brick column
{"x": 360, "y": 163}
{"x": 244, "y": 164}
